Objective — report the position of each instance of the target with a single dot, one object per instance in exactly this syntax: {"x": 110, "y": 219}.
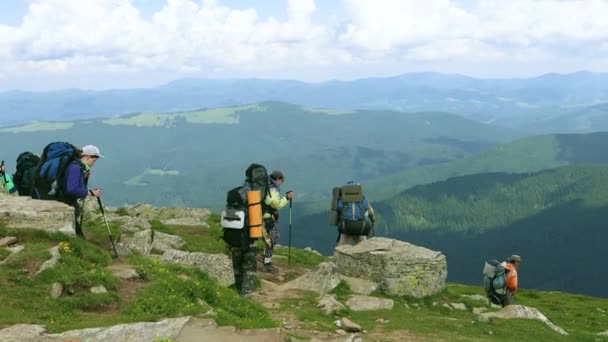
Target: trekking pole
{"x": 103, "y": 214}
{"x": 289, "y": 249}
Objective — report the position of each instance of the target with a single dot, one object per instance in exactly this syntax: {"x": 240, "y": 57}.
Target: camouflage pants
{"x": 244, "y": 267}
{"x": 509, "y": 298}
{"x": 272, "y": 228}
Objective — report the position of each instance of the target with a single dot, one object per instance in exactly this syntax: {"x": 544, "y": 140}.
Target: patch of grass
{"x": 581, "y": 316}
{"x": 96, "y": 232}
{"x": 39, "y": 126}
{"x": 300, "y": 256}
{"x": 304, "y": 308}
{"x": 198, "y": 238}
{"x": 177, "y": 290}
{"x": 122, "y": 211}
{"x": 342, "y": 291}
{"x": 4, "y": 253}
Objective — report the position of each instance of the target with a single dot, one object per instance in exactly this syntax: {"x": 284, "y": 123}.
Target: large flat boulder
{"x": 218, "y": 266}
{"x": 24, "y": 212}
{"x": 401, "y": 268}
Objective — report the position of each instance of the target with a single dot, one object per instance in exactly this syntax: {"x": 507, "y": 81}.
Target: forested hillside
{"x": 555, "y": 219}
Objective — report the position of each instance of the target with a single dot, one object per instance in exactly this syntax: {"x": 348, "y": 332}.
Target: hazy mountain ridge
{"x": 520, "y": 103}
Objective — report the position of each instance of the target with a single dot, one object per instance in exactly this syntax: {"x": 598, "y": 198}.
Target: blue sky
{"x": 100, "y": 44}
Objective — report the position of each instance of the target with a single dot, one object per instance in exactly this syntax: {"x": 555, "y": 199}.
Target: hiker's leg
{"x": 77, "y": 226}
{"x": 237, "y": 267}
{"x": 509, "y": 298}
{"x": 270, "y": 230}
{"x": 249, "y": 268}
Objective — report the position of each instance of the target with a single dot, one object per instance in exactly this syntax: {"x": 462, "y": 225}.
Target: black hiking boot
{"x": 269, "y": 268}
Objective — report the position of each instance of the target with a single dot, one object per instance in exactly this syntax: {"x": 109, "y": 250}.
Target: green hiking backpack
{"x": 26, "y": 171}
{"x": 495, "y": 281}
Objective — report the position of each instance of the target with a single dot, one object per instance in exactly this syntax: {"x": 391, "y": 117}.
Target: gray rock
{"x": 197, "y": 330}
{"x": 360, "y": 286}
{"x": 476, "y": 297}
{"x": 140, "y": 243}
{"x": 520, "y": 311}
{"x": 349, "y": 326}
{"x": 399, "y": 267}
{"x": 98, "y": 289}
{"x": 218, "y": 266}
{"x": 164, "y": 242}
{"x": 24, "y": 212}
{"x": 124, "y": 272}
{"x": 458, "y": 306}
{"x": 56, "y": 290}
{"x": 131, "y": 224}
{"x": 329, "y": 304}
{"x": 8, "y": 240}
{"x": 22, "y": 332}
{"x": 52, "y": 262}
{"x": 478, "y": 311}
{"x": 144, "y": 331}
{"x": 13, "y": 250}
{"x": 321, "y": 280}
{"x": 366, "y": 303}
{"x": 185, "y": 221}
{"x": 151, "y": 213}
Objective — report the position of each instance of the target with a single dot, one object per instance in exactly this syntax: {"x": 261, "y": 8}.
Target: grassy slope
{"x": 168, "y": 291}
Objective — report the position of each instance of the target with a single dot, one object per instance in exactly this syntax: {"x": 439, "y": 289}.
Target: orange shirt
{"x": 511, "y": 275}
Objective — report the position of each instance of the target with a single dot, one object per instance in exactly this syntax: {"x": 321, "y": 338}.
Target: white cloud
{"x": 205, "y": 36}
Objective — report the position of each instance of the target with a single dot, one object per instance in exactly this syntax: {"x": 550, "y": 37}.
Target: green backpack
{"x": 495, "y": 281}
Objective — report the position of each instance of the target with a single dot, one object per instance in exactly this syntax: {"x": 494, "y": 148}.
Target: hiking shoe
{"x": 270, "y": 268}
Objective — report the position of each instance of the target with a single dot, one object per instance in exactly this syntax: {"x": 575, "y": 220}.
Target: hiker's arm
{"x": 371, "y": 213}
{"x": 74, "y": 185}
{"x": 275, "y": 200}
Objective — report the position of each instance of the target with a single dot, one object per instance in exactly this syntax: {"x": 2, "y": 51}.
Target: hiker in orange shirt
{"x": 511, "y": 265}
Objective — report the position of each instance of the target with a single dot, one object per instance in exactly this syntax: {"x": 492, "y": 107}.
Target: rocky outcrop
{"x": 143, "y": 242}
{"x": 366, "y": 303}
{"x": 24, "y": 212}
{"x": 145, "y": 331}
{"x": 329, "y": 304}
{"x": 360, "y": 286}
{"x": 520, "y": 311}
{"x": 189, "y": 215}
{"x": 52, "y": 262}
{"x": 182, "y": 329}
{"x": 400, "y": 268}
{"x": 218, "y": 266}
{"x": 321, "y": 280}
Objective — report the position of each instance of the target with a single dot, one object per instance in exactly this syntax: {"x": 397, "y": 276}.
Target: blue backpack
{"x": 50, "y": 174}
{"x": 352, "y": 204}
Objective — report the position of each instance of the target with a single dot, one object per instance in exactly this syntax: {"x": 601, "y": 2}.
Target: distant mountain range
{"x": 549, "y": 103}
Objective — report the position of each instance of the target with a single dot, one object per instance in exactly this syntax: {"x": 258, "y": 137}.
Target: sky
{"x": 103, "y": 44}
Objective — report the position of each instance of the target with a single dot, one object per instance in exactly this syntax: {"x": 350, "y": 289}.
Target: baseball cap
{"x": 91, "y": 150}
{"x": 515, "y": 257}
{"x": 276, "y": 174}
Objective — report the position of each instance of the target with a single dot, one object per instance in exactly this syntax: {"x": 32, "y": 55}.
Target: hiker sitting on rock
{"x": 511, "y": 265}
